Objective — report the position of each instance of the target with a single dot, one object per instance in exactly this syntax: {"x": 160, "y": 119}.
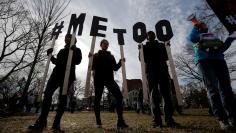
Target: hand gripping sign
{"x": 55, "y": 33}
{"x": 163, "y": 26}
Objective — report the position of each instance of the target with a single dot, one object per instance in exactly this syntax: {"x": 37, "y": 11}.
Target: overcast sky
{"x": 124, "y": 14}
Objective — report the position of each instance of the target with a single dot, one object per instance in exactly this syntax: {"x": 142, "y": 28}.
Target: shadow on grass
{"x": 186, "y": 114}
{"x": 203, "y": 129}
{"x": 195, "y": 112}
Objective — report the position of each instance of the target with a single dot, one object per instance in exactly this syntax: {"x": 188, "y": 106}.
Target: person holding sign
{"x": 103, "y": 66}
{"x": 155, "y": 57}
{"x": 213, "y": 68}
{"x": 55, "y": 81}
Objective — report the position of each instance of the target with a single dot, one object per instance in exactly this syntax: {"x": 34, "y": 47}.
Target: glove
{"x": 168, "y": 43}
{"x": 90, "y": 55}
{"x": 73, "y": 47}
{"x": 139, "y": 46}
{"x": 49, "y": 51}
{"x": 122, "y": 60}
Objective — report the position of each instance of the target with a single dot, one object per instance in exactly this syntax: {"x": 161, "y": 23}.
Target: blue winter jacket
{"x": 194, "y": 37}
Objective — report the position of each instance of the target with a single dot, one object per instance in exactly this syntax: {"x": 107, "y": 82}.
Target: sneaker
{"x": 54, "y": 127}
{"x": 121, "y": 124}
{"x": 57, "y": 129}
{"x": 224, "y": 125}
{"x": 98, "y": 126}
{"x": 38, "y": 126}
{"x": 232, "y": 122}
{"x": 233, "y": 35}
{"x": 99, "y": 123}
{"x": 156, "y": 125}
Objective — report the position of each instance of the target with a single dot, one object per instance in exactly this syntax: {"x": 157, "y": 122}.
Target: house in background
{"x": 133, "y": 86}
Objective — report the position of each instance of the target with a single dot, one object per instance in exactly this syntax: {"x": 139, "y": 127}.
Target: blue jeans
{"x": 217, "y": 80}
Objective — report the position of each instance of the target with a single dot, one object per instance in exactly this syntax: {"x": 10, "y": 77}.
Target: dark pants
{"x": 28, "y": 107}
{"x": 217, "y": 80}
{"x": 114, "y": 89}
{"x": 37, "y": 106}
{"x": 52, "y": 85}
{"x": 159, "y": 85}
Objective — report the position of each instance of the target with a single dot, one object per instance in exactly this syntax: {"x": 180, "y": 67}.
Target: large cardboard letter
{"x": 94, "y": 32}
{"x": 160, "y": 26}
{"x": 139, "y": 38}
{"x": 120, "y": 35}
{"x": 75, "y": 22}
{"x": 121, "y": 43}
{"x": 164, "y": 33}
{"x": 95, "y": 26}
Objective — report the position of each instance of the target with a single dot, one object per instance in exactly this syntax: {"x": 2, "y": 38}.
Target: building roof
{"x": 134, "y": 84}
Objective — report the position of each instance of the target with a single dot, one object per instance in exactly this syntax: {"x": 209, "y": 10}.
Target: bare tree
{"x": 16, "y": 38}
{"x": 78, "y": 89}
{"x": 45, "y": 13}
{"x": 187, "y": 68}
{"x": 188, "y": 71}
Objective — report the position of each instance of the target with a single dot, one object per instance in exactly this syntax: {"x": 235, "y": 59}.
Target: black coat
{"x": 61, "y": 61}
{"x": 155, "y": 56}
{"x": 104, "y": 64}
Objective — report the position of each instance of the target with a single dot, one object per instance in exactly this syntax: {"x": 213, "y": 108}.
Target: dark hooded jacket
{"x": 155, "y": 56}
{"x": 61, "y": 61}
{"x": 104, "y": 64}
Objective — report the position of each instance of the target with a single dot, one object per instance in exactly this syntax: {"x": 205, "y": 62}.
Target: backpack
{"x": 209, "y": 41}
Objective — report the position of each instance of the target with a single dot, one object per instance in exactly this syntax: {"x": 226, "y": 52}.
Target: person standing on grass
{"x": 209, "y": 57}
{"x": 56, "y": 80}
{"x": 104, "y": 65}
{"x": 155, "y": 57}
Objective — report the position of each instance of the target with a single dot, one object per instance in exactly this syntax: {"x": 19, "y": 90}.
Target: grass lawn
{"x": 192, "y": 121}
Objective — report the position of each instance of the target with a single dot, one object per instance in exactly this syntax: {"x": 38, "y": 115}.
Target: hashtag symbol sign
{"x": 57, "y": 30}
{"x": 231, "y": 19}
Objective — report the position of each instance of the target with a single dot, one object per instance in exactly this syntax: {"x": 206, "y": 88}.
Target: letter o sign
{"x": 163, "y": 30}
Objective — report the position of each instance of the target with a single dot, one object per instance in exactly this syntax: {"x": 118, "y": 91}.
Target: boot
{"x": 157, "y": 124}
{"x": 56, "y": 126}
{"x": 99, "y": 123}
{"x": 38, "y": 125}
{"x": 232, "y": 122}
{"x": 57, "y": 129}
{"x": 172, "y": 123}
{"x": 225, "y": 126}
{"x": 121, "y": 124}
